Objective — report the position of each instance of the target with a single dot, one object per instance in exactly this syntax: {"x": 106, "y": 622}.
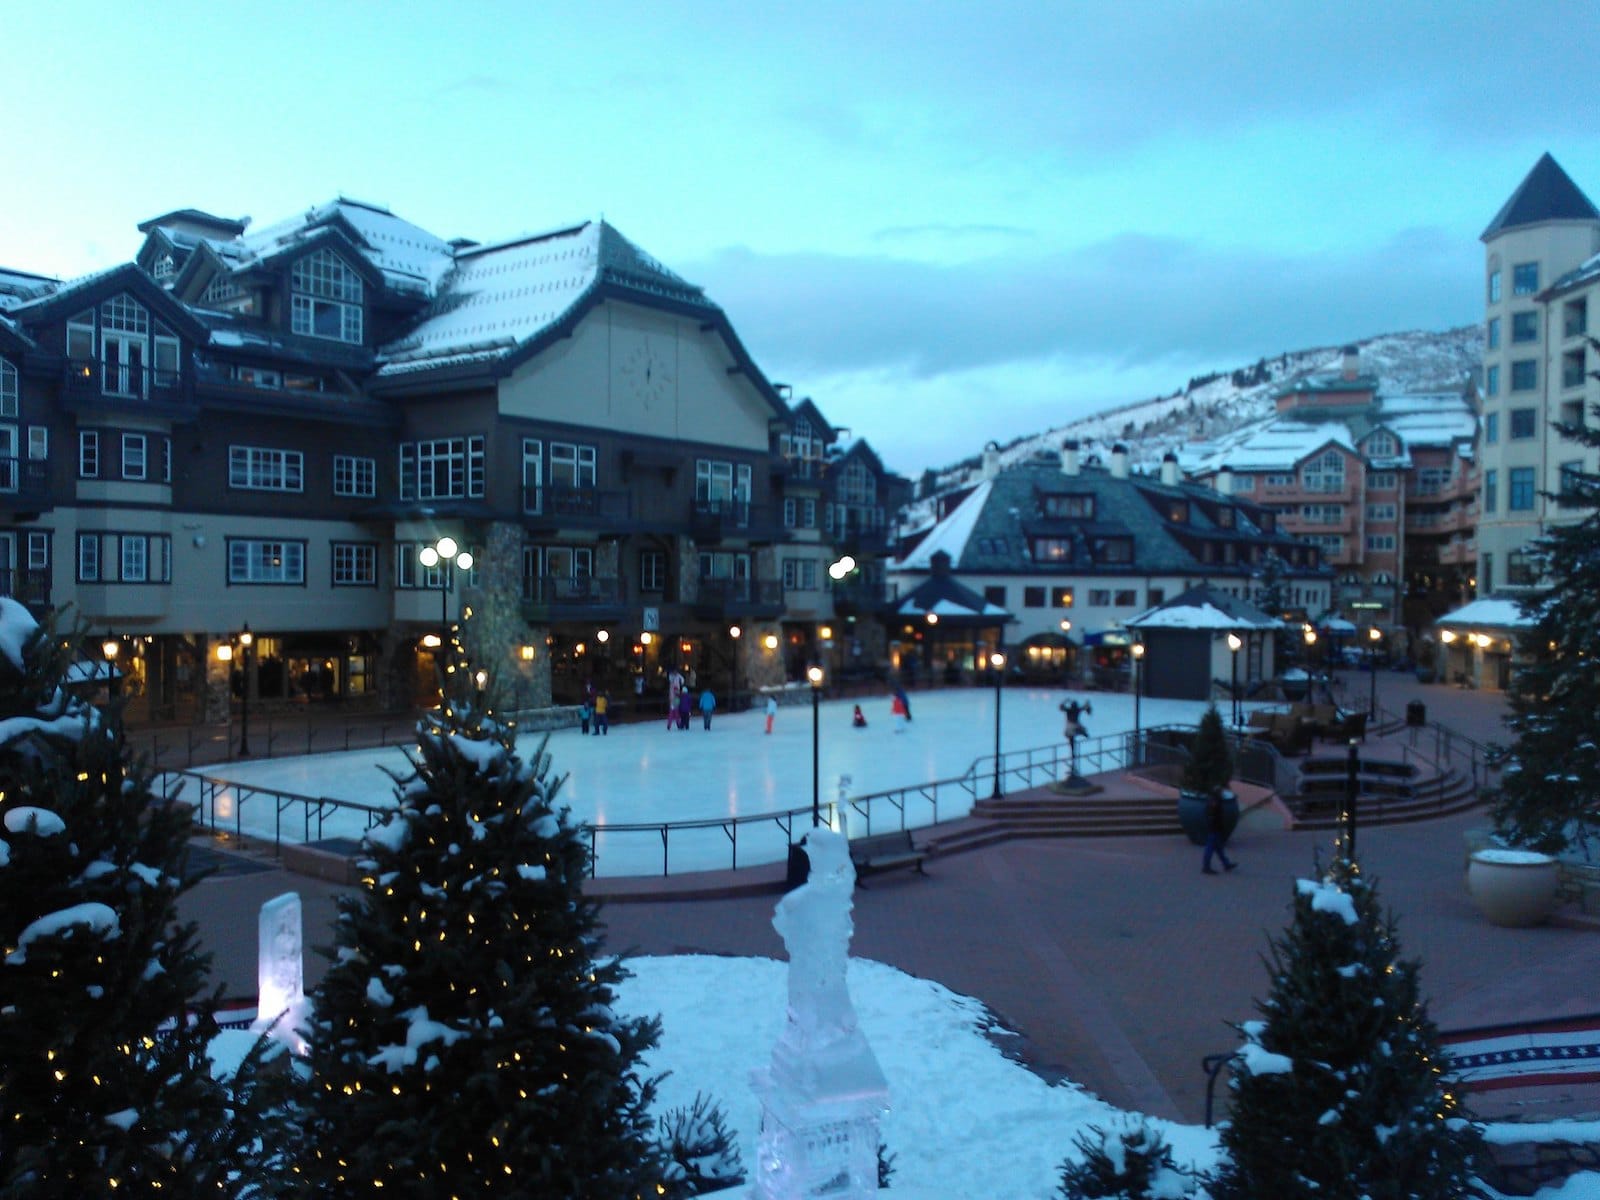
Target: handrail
{"x": 222, "y": 798}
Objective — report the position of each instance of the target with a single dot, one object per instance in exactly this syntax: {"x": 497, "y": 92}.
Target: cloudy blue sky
{"x": 945, "y": 222}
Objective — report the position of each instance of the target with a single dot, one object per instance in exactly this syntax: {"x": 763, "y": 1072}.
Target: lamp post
{"x": 814, "y": 674}
{"x": 111, "y": 647}
{"x": 1137, "y": 650}
{"x": 734, "y": 634}
{"x": 1234, "y": 642}
{"x": 997, "y": 663}
{"x": 1374, "y": 635}
{"x": 445, "y": 554}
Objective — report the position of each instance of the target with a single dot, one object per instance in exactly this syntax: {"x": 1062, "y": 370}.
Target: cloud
{"x": 1131, "y": 301}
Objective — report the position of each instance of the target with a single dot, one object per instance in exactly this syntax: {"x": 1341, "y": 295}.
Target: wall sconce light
{"x": 1066, "y": 625}
{"x": 734, "y": 631}
{"x": 224, "y": 653}
{"x": 1447, "y": 636}
{"x": 826, "y": 633}
{"x": 527, "y": 653}
{"x": 603, "y": 636}
{"x": 770, "y": 641}
{"x": 646, "y": 638}
{"x": 933, "y": 618}
{"x": 431, "y": 641}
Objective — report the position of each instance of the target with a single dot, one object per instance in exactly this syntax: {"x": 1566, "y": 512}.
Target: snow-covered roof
{"x": 500, "y": 296}
{"x": 409, "y": 256}
{"x": 1277, "y": 444}
{"x": 950, "y": 535}
{"x": 1492, "y": 611}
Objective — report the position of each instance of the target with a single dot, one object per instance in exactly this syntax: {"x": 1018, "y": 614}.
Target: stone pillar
{"x": 760, "y": 667}
{"x": 217, "y": 690}
{"x": 397, "y": 670}
{"x": 497, "y": 631}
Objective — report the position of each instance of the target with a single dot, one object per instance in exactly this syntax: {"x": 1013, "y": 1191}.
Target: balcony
{"x": 94, "y": 380}
{"x": 24, "y": 485}
{"x": 860, "y": 599}
{"x": 724, "y": 599}
{"x": 30, "y": 587}
{"x": 573, "y": 597}
{"x": 862, "y": 543}
{"x": 563, "y": 506}
{"x": 712, "y": 521}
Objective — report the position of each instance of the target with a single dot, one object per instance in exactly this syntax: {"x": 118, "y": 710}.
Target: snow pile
{"x": 1327, "y": 897}
{"x": 96, "y": 918}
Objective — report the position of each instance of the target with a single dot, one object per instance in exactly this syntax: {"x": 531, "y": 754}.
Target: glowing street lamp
{"x": 1137, "y": 650}
{"x": 814, "y": 674}
{"x": 445, "y": 554}
{"x": 1234, "y": 643}
{"x": 1374, "y": 635}
{"x": 997, "y": 663}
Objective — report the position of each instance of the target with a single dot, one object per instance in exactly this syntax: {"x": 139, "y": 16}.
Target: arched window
{"x": 326, "y": 298}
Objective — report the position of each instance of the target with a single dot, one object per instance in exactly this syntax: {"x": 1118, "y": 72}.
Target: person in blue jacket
{"x": 708, "y": 705}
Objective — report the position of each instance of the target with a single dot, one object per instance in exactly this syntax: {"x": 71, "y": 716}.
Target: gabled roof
{"x": 88, "y": 290}
{"x": 1203, "y": 608}
{"x": 195, "y": 220}
{"x": 18, "y": 287}
{"x": 807, "y": 408}
{"x": 12, "y": 339}
{"x": 411, "y": 258}
{"x": 1490, "y": 611}
{"x": 1547, "y": 194}
{"x": 951, "y": 602}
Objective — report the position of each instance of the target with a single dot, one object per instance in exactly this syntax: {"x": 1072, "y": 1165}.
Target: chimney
{"x": 1119, "y": 461}
{"x": 1069, "y": 457}
{"x": 991, "y": 460}
{"x": 1351, "y": 367}
{"x": 1170, "y": 475}
{"x": 1224, "y": 480}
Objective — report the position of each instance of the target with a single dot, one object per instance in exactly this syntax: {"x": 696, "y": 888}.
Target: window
{"x": 166, "y": 460}
{"x": 1432, "y": 480}
{"x": 354, "y": 476}
{"x": 9, "y": 390}
{"x": 1524, "y": 423}
{"x": 1525, "y": 327}
{"x": 799, "y": 575}
{"x": 135, "y": 558}
{"x": 1485, "y": 574}
{"x": 572, "y": 465}
{"x": 1155, "y": 596}
{"x": 1052, "y": 550}
{"x": 1520, "y": 495}
{"x": 1243, "y": 483}
{"x": 1524, "y": 375}
{"x": 1178, "y": 512}
{"x": 441, "y": 469}
{"x": 857, "y": 485}
{"x": 1491, "y": 428}
{"x": 88, "y": 454}
{"x": 724, "y": 564}
{"x": 1519, "y": 570}
{"x": 1572, "y": 368}
{"x": 1322, "y": 514}
{"x": 1494, "y": 286}
{"x": 1113, "y": 550}
{"x": 1069, "y": 506}
{"x": 38, "y": 443}
{"x": 88, "y": 557}
{"x": 38, "y": 550}
{"x": 80, "y": 338}
{"x": 1124, "y": 598}
{"x": 995, "y": 594}
{"x": 1061, "y": 597}
{"x": 716, "y": 482}
{"x": 1280, "y": 481}
{"x": 1524, "y": 279}
{"x": 1033, "y": 597}
{"x": 259, "y": 377}
{"x": 257, "y": 469}
{"x": 1325, "y": 473}
{"x": 791, "y": 512}
{"x": 1381, "y": 481}
{"x": 1492, "y": 337}
{"x": 652, "y": 571}
{"x": 1575, "y": 318}
{"x": 1331, "y": 543}
{"x": 1099, "y": 597}
{"x": 325, "y": 298}
{"x": 355, "y": 564}
{"x": 255, "y": 560}
{"x": 133, "y": 455}
{"x": 808, "y": 514}
{"x": 1382, "y": 445}
{"x": 1571, "y": 475}
{"x": 1491, "y": 380}
{"x": 1491, "y": 490}
{"x": 1380, "y": 542}
{"x": 1380, "y": 512}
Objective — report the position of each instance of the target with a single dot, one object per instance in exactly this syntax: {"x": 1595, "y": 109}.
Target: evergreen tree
{"x": 105, "y": 1087}
{"x": 463, "y": 1040}
{"x": 1337, "y": 1093}
{"x": 1549, "y": 793}
{"x": 1132, "y": 1162}
{"x": 1210, "y": 764}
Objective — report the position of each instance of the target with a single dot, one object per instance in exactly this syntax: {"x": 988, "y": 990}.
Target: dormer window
{"x": 1077, "y": 507}
{"x": 1178, "y": 512}
{"x": 163, "y": 267}
{"x": 325, "y": 299}
{"x": 1225, "y": 518}
{"x": 1113, "y": 550}
{"x": 1382, "y": 445}
{"x": 134, "y": 351}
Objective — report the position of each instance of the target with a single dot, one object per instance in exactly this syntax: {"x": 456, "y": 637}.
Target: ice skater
{"x": 685, "y": 706}
{"x": 602, "y": 714}
{"x": 708, "y": 705}
{"x": 900, "y": 710}
{"x": 583, "y": 717}
{"x": 858, "y": 719}
{"x": 905, "y": 701}
{"x": 674, "y": 692}
{"x": 772, "y": 711}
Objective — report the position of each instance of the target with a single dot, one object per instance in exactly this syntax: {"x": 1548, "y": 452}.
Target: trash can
{"x": 799, "y": 866}
{"x": 1416, "y": 713}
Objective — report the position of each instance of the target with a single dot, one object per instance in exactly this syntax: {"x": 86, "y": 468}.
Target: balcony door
{"x": 12, "y": 584}
{"x": 124, "y": 364}
{"x": 10, "y": 475}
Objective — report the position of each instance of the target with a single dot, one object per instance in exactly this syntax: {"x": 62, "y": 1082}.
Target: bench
{"x": 885, "y": 852}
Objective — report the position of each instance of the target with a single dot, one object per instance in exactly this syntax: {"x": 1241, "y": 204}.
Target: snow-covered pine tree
{"x": 105, "y": 1087}
{"x": 1549, "y": 793}
{"x": 1337, "y": 1093}
{"x": 463, "y": 1041}
{"x": 1210, "y": 763}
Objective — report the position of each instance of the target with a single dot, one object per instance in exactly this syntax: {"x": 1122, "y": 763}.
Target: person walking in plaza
{"x": 901, "y": 711}
{"x": 1215, "y": 837}
{"x": 685, "y": 706}
{"x": 905, "y": 701}
{"x": 602, "y": 714}
{"x": 708, "y": 705}
{"x": 772, "y": 711}
{"x": 674, "y": 694}
{"x": 583, "y": 717}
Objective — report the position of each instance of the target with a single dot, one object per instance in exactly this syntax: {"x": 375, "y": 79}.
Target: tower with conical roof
{"x": 1539, "y": 250}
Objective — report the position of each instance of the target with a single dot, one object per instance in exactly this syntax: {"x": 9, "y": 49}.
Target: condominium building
{"x": 274, "y": 428}
{"x": 1541, "y": 282}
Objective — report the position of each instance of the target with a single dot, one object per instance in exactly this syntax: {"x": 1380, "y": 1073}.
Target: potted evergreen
{"x": 1206, "y": 774}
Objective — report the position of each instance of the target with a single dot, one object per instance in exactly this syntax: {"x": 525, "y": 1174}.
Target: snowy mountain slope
{"x": 1210, "y": 406}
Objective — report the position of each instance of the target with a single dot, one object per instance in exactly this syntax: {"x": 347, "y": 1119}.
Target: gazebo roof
{"x": 1204, "y": 608}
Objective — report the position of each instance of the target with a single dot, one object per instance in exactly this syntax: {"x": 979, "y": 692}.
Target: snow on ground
{"x": 644, "y": 773}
